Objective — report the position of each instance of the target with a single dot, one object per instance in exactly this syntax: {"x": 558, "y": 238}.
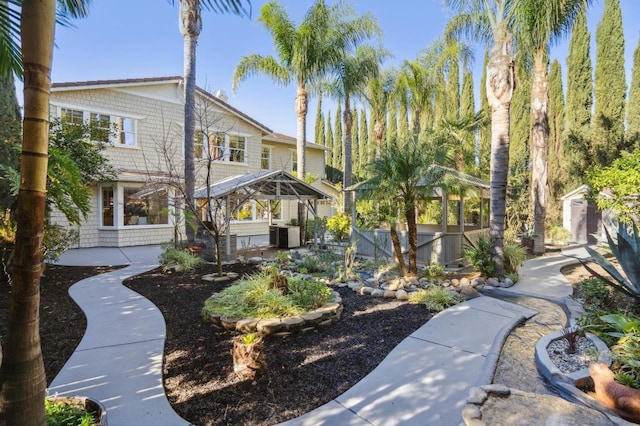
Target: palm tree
{"x": 354, "y": 72}
{"x": 416, "y": 79}
{"x": 22, "y": 378}
{"x": 377, "y": 94}
{"x": 490, "y": 21}
{"x": 543, "y": 21}
{"x": 402, "y": 177}
{"x": 190, "y": 23}
{"x": 305, "y": 53}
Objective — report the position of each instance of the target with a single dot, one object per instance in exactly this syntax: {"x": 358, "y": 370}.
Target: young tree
{"x": 401, "y": 178}
{"x": 610, "y": 87}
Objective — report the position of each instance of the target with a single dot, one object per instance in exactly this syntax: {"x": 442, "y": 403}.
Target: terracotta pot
{"x": 86, "y": 404}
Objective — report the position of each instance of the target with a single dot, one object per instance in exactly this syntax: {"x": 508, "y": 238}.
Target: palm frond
{"x": 257, "y": 64}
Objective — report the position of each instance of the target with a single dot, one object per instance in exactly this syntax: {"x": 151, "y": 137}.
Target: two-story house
{"x": 145, "y": 145}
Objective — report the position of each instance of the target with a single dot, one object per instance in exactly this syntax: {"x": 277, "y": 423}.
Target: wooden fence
{"x": 443, "y": 248}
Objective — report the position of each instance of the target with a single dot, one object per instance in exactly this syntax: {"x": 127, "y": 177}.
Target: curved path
{"x": 425, "y": 380}
{"x": 119, "y": 360}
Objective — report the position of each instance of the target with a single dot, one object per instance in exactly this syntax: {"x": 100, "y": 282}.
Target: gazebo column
{"x": 445, "y": 209}
{"x": 461, "y": 214}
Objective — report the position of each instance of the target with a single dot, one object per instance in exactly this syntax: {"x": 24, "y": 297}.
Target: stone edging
{"x": 325, "y": 315}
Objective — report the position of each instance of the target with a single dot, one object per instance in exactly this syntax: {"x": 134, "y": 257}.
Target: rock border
{"x": 325, "y": 315}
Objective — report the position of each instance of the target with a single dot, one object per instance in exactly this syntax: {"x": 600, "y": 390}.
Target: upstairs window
{"x": 219, "y": 146}
{"x": 117, "y": 130}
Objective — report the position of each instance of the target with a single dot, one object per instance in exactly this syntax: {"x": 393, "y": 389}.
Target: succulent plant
{"x": 626, "y": 249}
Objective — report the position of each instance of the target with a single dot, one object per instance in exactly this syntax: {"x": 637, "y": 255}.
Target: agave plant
{"x": 626, "y": 249}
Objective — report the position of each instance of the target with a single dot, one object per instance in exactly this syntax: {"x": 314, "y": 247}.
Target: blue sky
{"x": 140, "y": 38}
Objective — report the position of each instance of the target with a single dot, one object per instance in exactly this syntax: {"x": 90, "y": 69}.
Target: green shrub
{"x": 255, "y": 298}
{"x": 434, "y": 270}
{"x": 435, "y": 298}
{"x": 182, "y": 258}
{"x": 513, "y": 276}
{"x": 479, "y": 256}
{"x": 311, "y": 264}
{"x": 626, "y": 350}
{"x": 339, "y": 226}
{"x": 61, "y": 413}
{"x": 514, "y": 256}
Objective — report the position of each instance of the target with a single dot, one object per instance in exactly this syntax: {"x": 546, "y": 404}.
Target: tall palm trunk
{"x": 500, "y": 85}
{"x": 412, "y": 228}
{"x": 539, "y": 148}
{"x": 190, "y": 27}
{"x": 347, "y": 118}
{"x": 22, "y": 377}
{"x": 302, "y": 105}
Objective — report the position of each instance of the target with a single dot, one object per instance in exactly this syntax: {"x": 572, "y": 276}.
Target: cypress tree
{"x": 319, "y": 128}
{"x": 453, "y": 91}
{"x": 363, "y": 155}
{"x": 579, "y": 102}
{"x": 520, "y": 130}
{"x": 337, "y": 140}
{"x": 633, "y": 106}
{"x": 556, "y": 172}
{"x": 371, "y": 148}
{"x": 467, "y": 110}
{"x": 328, "y": 137}
{"x": 355, "y": 142}
{"x": 518, "y": 195}
{"x": 610, "y": 87}
{"x": 484, "y": 148}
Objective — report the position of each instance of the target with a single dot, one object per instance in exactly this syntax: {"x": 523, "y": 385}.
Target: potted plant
{"x": 81, "y": 410}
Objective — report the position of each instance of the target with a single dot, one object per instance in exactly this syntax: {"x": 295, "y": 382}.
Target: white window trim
{"x": 269, "y": 167}
{"x": 226, "y": 148}
{"x": 86, "y": 117}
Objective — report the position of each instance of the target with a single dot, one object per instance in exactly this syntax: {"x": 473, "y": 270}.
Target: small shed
{"x": 582, "y": 218}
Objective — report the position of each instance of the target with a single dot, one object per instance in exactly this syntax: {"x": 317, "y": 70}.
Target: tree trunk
{"x": 249, "y": 359}
{"x": 539, "y": 149}
{"x": 190, "y": 26}
{"x": 412, "y": 229}
{"x": 348, "y": 123}
{"x": 302, "y": 104}
{"x": 499, "y": 86}
{"x": 22, "y": 377}
{"x": 397, "y": 248}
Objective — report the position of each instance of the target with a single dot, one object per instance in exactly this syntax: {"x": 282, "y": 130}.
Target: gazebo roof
{"x": 266, "y": 185}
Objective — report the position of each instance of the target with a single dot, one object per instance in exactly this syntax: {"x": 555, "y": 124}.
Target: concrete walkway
{"x": 424, "y": 381}
{"x": 119, "y": 360}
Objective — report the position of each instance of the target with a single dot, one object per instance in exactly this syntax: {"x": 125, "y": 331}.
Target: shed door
{"x": 594, "y": 223}
{"x": 579, "y": 221}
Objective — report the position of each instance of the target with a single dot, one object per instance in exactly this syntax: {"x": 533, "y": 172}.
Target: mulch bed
{"x": 304, "y": 371}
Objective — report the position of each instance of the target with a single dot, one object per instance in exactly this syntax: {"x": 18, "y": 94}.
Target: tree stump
{"x": 249, "y": 358}
{"x": 625, "y": 401}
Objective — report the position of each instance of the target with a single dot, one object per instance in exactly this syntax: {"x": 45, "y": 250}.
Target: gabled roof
{"x": 148, "y": 81}
{"x": 266, "y": 185}
{"x": 290, "y": 140}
